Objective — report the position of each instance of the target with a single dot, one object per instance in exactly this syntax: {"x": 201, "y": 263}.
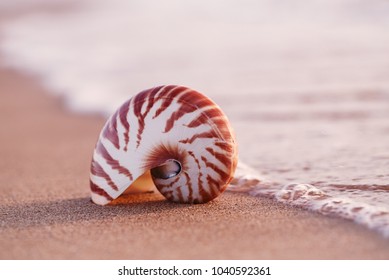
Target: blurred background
{"x": 94, "y": 50}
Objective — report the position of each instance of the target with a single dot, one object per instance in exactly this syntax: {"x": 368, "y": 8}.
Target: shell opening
{"x": 169, "y": 169}
{"x": 142, "y": 184}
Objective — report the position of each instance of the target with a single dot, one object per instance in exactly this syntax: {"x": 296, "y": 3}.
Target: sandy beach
{"x": 46, "y": 212}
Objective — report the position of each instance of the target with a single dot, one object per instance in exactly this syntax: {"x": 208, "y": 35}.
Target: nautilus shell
{"x": 174, "y": 134}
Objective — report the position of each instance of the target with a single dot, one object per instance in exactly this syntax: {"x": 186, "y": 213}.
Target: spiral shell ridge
{"x": 179, "y": 134}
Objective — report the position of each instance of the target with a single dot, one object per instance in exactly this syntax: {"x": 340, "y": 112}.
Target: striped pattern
{"x": 161, "y": 124}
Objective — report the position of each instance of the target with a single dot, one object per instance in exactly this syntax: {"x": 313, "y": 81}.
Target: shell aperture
{"x": 166, "y": 171}
{"x": 178, "y": 134}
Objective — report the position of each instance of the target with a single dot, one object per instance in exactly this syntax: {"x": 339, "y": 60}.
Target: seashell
{"x": 175, "y": 135}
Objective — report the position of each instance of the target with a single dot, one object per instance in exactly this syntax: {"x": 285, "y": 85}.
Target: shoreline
{"x": 47, "y": 213}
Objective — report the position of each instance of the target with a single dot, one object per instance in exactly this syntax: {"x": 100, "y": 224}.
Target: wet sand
{"x": 46, "y": 212}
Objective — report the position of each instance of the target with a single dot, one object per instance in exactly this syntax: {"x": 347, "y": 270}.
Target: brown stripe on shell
{"x": 189, "y": 186}
{"x": 197, "y": 99}
{"x": 168, "y": 186}
{"x": 199, "y": 182}
{"x": 97, "y": 190}
{"x": 225, "y": 146}
{"x": 115, "y": 164}
{"x": 176, "y": 115}
{"x": 138, "y": 104}
{"x": 225, "y": 132}
{"x": 219, "y": 156}
{"x": 223, "y": 175}
{"x": 110, "y": 131}
{"x": 174, "y": 91}
{"x": 123, "y": 113}
{"x": 139, "y": 101}
{"x": 197, "y": 121}
{"x": 179, "y": 193}
{"x": 205, "y": 195}
{"x": 212, "y": 113}
{"x": 204, "y": 116}
{"x": 151, "y": 99}
{"x": 214, "y": 186}
{"x": 160, "y": 94}
{"x": 206, "y": 134}
{"x": 190, "y": 102}
{"x": 97, "y": 170}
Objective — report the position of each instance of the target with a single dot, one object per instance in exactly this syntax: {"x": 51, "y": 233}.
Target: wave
{"x": 312, "y": 198}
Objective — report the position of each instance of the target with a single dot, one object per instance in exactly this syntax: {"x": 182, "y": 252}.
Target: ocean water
{"x": 304, "y": 83}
